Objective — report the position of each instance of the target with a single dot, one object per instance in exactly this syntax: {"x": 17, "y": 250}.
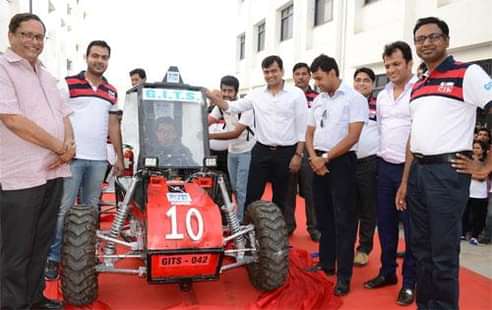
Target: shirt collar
{"x": 81, "y": 76}
{"x": 342, "y": 89}
{"x": 266, "y": 89}
{"x": 11, "y": 56}
{"x": 446, "y": 65}
{"x": 409, "y": 83}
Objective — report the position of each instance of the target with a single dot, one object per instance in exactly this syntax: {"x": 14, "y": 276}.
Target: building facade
{"x": 65, "y": 41}
{"x": 354, "y": 32}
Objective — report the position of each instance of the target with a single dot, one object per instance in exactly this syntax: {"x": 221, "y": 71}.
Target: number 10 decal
{"x": 192, "y": 212}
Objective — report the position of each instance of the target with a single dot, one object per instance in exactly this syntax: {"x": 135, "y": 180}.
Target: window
{"x": 486, "y": 65}
{"x": 69, "y": 65}
{"x": 381, "y": 80}
{"x": 286, "y": 23}
{"x": 69, "y": 9}
{"x": 51, "y": 7}
{"x": 366, "y": 2}
{"x": 242, "y": 45}
{"x": 62, "y": 23}
{"x": 260, "y": 39}
{"x": 323, "y": 11}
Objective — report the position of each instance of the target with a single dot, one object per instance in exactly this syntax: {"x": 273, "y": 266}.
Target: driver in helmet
{"x": 168, "y": 147}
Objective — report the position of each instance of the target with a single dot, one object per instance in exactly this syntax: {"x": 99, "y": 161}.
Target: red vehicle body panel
{"x": 184, "y": 240}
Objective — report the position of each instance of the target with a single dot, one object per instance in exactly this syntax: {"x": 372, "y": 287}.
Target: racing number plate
{"x": 179, "y": 198}
{"x": 184, "y": 260}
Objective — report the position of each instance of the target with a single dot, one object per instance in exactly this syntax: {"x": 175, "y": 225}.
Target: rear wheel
{"x": 79, "y": 277}
{"x": 272, "y": 266}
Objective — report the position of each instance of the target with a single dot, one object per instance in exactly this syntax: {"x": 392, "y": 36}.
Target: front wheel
{"x": 272, "y": 265}
{"x": 79, "y": 276}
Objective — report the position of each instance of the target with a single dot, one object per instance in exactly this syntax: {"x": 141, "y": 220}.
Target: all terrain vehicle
{"x": 174, "y": 213}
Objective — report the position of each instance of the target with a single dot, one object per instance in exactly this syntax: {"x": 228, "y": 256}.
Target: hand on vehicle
{"x": 215, "y": 96}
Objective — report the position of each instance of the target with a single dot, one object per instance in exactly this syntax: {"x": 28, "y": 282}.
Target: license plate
{"x": 185, "y": 260}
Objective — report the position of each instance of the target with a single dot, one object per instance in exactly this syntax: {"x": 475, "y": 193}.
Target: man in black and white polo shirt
{"x": 364, "y": 79}
{"x": 335, "y": 122}
{"x": 95, "y": 115}
{"x": 443, "y": 107}
{"x": 280, "y": 113}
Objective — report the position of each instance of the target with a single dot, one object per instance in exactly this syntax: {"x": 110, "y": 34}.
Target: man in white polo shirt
{"x": 335, "y": 122}
{"x": 393, "y": 114}
{"x": 94, "y": 102}
{"x": 364, "y": 79}
{"x": 443, "y": 106}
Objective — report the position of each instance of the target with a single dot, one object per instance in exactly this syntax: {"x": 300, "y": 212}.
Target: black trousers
{"x": 28, "y": 219}
{"x": 366, "y": 201}
{"x": 303, "y": 179}
{"x": 475, "y": 216}
{"x": 334, "y": 200}
{"x": 269, "y": 164}
{"x": 436, "y": 198}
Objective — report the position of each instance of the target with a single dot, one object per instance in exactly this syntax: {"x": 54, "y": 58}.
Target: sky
{"x": 198, "y": 36}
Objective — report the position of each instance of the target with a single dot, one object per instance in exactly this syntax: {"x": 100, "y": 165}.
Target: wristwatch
{"x": 325, "y": 155}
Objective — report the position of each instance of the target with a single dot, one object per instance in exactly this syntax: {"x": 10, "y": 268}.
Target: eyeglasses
{"x": 433, "y": 37}
{"x": 31, "y": 36}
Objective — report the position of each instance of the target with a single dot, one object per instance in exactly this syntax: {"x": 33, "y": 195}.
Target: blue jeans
{"x": 87, "y": 176}
{"x": 238, "y": 167}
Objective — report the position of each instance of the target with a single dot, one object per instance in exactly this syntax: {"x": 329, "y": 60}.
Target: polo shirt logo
{"x": 488, "y": 86}
{"x": 446, "y": 87}
{"x": 111, "y": 94}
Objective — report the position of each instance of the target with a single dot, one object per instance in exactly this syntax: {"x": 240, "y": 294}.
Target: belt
{"x": 439, "y": 158}
{"x": 275, "y": 147}
{"x": 367, "y": 158}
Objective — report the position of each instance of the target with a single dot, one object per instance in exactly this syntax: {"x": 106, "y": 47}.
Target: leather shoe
{"x": 342, "y": 287}
{"x": 46, "y": 303}
{"x": 380, "y": 281}
{"x": 405, "y": 297}
{"x": 318, "y": 267}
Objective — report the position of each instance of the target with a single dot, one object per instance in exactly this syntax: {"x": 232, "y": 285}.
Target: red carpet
{"x": 234, "y": 291}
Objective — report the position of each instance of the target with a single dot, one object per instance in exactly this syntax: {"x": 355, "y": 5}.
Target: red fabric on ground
{"x": 303, "y": 290}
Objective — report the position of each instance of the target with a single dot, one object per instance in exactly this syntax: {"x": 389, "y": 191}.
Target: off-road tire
{"x": 272, "y": 266}
{"x": 79, "y": 276}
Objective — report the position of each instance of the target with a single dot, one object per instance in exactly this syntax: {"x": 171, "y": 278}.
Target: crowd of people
{"x": 360, "y": 161}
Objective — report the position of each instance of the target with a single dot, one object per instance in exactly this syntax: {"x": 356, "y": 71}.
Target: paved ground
{"x": 477, "y": 258}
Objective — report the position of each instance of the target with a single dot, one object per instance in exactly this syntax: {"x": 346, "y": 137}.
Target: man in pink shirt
{"x": 36, "y": 143}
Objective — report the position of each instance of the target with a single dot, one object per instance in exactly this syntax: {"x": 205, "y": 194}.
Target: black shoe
{"x": 318, "y": 267}
{"x": 51, "y": 270}
{"x": 315, "y": 235}
{"x": 342, "y": 287}
{"x": 405, "y": 297}
{"x": 46, "y": 303}
{"x": 380, "y": 281}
